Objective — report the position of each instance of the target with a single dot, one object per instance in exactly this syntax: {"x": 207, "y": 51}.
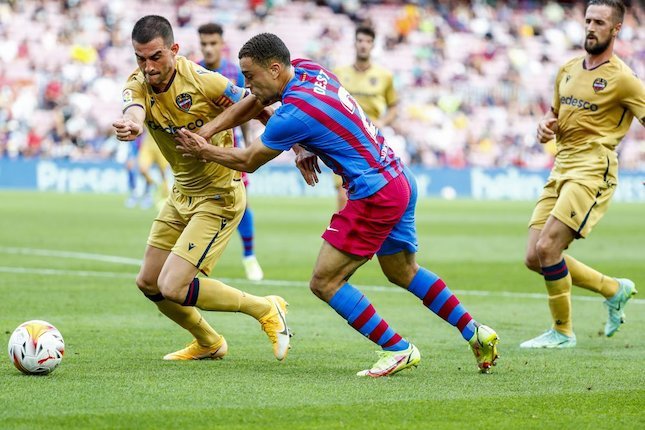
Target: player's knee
{"x": 146, "y": 286}
{"x": 171, "y": 291}
{"x": 544, "y": 248}
{"x": 317, "y": 287}
{"x": 532, "y": 262}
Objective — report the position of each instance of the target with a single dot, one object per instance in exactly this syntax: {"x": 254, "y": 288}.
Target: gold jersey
{"x": 373, "y": 88}
{"x": 595, "y": 109}
{"x": 194, "y": 97}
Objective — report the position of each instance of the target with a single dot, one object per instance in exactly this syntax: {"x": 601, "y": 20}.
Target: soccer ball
{"x": 36, "y": 347}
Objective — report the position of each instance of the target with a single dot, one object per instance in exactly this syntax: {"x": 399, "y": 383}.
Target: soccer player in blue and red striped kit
{"x": 319, "y": 119}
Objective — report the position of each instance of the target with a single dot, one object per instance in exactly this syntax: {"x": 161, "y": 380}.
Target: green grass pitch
{"x": 55, "y": 265}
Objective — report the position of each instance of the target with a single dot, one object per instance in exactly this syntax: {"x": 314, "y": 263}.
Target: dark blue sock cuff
{"x": 555, "y": 272}
{"x": 192, "y": 294}
{"x": 154, "y": 297}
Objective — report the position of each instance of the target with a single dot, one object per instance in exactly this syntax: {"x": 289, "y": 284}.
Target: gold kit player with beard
{"x": 595, "y": 99}
{"x": 206, "y": 204}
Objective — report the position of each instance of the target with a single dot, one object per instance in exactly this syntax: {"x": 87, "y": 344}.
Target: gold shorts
{"x": 578, "y": 204}
{"x": 198, "y": 228}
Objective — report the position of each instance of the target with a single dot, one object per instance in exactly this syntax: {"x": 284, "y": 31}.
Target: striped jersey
{"x": 320, "y": 115}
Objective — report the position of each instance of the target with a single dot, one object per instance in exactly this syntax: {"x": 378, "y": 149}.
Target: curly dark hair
{"x": 264, "y": 48}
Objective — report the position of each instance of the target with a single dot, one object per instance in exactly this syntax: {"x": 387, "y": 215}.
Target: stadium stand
{"x": 474, "y": 77}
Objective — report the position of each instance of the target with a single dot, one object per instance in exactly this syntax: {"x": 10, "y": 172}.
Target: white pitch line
{"x": 58, "y": 272}
{"x": 72, "y": 255}
{"x": 284, "y": 283}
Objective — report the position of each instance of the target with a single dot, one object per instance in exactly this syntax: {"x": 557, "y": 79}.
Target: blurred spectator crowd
{"x": 473, "y": 77}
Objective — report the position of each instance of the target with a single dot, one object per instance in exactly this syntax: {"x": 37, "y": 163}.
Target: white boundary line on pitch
{"x": 268, "y": 282}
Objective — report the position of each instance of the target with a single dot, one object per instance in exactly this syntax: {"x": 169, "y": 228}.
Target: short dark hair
{"x": 617, "y": 5}
{"x": 152, "y": 26}
{"x": 265, "y": 47}
{"x": 211, "y": 28}
{"x": 367, "y": 30}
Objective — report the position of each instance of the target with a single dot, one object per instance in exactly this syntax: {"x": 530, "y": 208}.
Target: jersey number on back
{"x": 352, "y": 106}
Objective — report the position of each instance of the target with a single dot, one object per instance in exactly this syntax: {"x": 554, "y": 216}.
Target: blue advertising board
{"x": 285, "y": 180}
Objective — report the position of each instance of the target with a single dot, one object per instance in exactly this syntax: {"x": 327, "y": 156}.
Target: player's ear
{"x": 174, "y": 48}
{"x": 275, "y": 69}
{"x": 616, "y": 29}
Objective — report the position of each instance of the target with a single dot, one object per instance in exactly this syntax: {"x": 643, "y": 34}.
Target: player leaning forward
{"x": 319, "y": 114}
{"x": 206, "y": 203}
{"x": 595, "y": 98}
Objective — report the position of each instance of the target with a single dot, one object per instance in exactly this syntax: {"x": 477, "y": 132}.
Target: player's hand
{"x": 190, "y": 144}
{"x": 547, "y": 128}
{"x": 205, "y": 131}
{"x": 126, "y": 129}
{"x": 307, "y": 163}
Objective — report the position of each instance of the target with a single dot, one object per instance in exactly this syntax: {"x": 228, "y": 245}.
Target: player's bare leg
{"x": 553, "y": 239}
{"x": 189, "y": 318}
{"x": 329, "y": 282}
{"x": 178, "y": 283}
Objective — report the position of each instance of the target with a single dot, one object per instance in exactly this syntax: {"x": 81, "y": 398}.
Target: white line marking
{"x": 73, "y": 255}
{"x": 58, "y": 272}
{"x": 297, "y": 284}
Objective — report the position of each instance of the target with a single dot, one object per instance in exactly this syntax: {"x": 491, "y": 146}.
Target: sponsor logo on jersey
{"x": 127, "y": 96}
{"x": 184, "y": 101}
{"x": 599, "y": 84}
{"x": 578, "y": 103}
{"x": 172, "y": 129}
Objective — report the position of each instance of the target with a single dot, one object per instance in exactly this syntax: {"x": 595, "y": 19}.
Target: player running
{"x": 207, "y": 200}
{"x": 595, "y": 99}
{"x": 324, "y": 118}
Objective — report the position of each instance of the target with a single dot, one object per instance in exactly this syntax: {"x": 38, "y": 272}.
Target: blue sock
{"x": 439, "y": 299}
{"x": 246, "y": 231}
{"x": 352, "y": 305}
{"x": 132, "y": 180}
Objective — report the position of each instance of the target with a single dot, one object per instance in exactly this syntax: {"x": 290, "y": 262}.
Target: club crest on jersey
{"x": 373, "y": 81}
{"x": 184, "y": 101}
{"x": 127, "y": 96}
{"x": 599, "y": 84}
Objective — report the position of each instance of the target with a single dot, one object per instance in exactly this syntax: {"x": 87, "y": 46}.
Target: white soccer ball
{"x": 36, "y": 347}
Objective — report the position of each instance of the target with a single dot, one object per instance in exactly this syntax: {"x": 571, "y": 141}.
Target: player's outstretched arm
{"x": 245, "y": 110}
{"x": 547, "y": 127}
{"x": 247, "y": 159}
{"x": 130, "y": 126}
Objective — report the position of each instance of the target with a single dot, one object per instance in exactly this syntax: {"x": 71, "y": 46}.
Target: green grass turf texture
{"x": 112, "y": 375}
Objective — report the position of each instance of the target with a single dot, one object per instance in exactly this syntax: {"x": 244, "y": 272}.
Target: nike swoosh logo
{"x": 332, "y": 229}
{"x": 284, "y": 322}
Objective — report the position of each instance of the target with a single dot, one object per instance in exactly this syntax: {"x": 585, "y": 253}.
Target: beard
{"x": 595, "y": 46}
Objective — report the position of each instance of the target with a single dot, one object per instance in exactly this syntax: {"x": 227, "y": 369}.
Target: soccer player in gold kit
{"x": 207, "y": 201}
{"x": 595, "y": 99}
{"x": 371, "y": 85}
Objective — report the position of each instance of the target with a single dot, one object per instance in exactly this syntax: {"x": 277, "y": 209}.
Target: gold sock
{"x": 558, "y": 285}
{"x": 215, "y": 295}
{"x": 189, "y": 318}
{"x": 590, "y": 279}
